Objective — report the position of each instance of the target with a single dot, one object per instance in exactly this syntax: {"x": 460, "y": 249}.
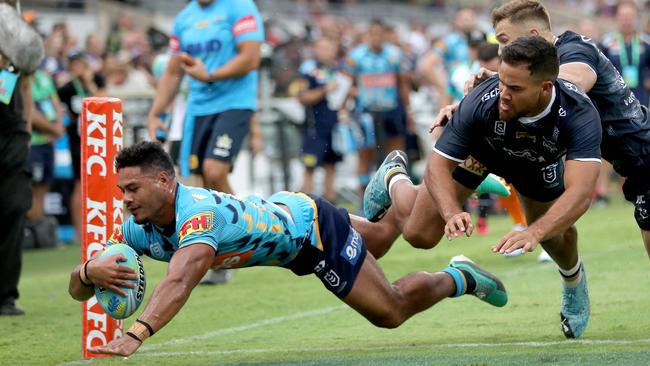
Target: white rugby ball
{"x": 114, "y": 304}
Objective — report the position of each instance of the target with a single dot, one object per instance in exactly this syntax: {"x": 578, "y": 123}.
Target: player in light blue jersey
{"x": 216, "y": 42}
{"x": 383, "y": 96}
{"x": 195, "y": 229}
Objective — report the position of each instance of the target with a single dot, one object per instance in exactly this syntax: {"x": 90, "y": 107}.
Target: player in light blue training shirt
{"x": 217, "y": 43}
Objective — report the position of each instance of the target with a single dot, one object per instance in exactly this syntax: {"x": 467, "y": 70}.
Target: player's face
{"x": 507, "y": 32}
{"x": 519, "y": 94}
{"x": 144, "y": 193}
{"x": 325, "y": 51}
{"x": 376, "y": 36}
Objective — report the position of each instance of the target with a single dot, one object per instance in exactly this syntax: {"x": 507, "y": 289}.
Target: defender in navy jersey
{"x": 195, "y": 229}
{"x": 521, "y": 125}
{"x": 625, "y": 121}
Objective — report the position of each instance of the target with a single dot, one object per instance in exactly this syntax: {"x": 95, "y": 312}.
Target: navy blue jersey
{"x": 321, "y": 118}
{"x": 570, "y": 126}
{"x": 626, "y": 128}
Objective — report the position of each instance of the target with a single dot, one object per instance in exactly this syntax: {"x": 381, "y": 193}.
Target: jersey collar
{"x": 544, "y": 113}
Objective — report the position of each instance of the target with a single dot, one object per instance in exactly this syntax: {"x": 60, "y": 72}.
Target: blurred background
{"x": 124, "y": 43}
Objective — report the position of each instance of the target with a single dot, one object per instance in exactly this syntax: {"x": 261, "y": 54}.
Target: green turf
{"x": 267, "y": 316}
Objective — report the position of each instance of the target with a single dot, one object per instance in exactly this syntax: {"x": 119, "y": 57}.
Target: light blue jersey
{"x": 377, "y": 76}
{"x": 244, "y": 232}
{"x": 212, "y": 34}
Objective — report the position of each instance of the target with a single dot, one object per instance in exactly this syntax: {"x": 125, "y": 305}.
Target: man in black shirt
{"x": 21, "y": 50}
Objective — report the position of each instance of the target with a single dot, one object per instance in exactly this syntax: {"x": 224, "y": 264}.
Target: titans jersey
{"x": 570, "y": 126}
{"x": 626, "y": 127}
{"x": 244, "y": 233}
{"x": 377, "y": 76}
{"x": 212, "y": 34}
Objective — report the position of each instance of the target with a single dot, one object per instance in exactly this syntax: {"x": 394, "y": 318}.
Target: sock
{"x": 465, "y": 283}
{"x": 572, "y": 276}
{"x": 394, "y": 178}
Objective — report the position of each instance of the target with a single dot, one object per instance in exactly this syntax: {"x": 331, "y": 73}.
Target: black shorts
{"x": 219, "y": 136}
{"x": 344, "y": 250}
{"x": 387, "y": 125}
{"x": 637, "y": 190}
{"x": 540, "y": 184}
{"x": 41, "y": 160}
{"x": 317, "y": 151}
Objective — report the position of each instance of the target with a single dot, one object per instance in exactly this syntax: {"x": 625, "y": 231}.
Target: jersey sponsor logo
{"x": 474, "y": 166}
{"x": 213, "y": 45}
{"x": 491, "y": 94}
{"x": 500, "y": 128}
{"x": 561, "y": 112}
{"x": 353, "y": 247}
{"x": 246, "y": 24}
{"x": 232, "y": 260}
{"x": 195, "y": 224}
{"x": 549, "y": 173}
{"x": 524, "y": 135}
{"x": 117, "y": 236}
{"x": 174, "y": 45}
{"x": 378, "y": 80}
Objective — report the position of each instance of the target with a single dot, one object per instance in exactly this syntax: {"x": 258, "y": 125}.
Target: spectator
{"x": 84, "y": 83}
{"x": 383, "y": 96}
{"x": 319, "y": 77}
{"x": 21, "y": 50}
{"x": 629, "y": 50}
{"x": 47, "y": 126}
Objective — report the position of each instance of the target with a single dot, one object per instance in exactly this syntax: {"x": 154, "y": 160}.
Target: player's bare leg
{"x": 389, "y": 305}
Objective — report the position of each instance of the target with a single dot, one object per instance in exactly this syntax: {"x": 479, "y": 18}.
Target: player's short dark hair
{"x": 536, "y": 52}
{"x": 377, "y": 21}
{"x": 148, "y": 156}
{"x": 487, "y": 51}
{"x": 518, "y": 11}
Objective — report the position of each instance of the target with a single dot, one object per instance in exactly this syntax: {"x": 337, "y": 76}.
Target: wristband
{"x": 134, "y": 336}
{"x": 149, "y": 328}
{"x": 83, "y": 275}
{"x": 140, "y": 331}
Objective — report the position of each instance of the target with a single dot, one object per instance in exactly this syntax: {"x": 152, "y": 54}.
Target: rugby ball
{"x": 114, "y": 304}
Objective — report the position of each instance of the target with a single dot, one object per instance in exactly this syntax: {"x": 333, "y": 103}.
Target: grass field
{"x": 267, "y": 316}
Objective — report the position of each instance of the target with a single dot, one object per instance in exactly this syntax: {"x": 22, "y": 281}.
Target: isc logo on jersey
{"x": 489, "y": 95}
{"x": 196, "y": 224}
{"x": 352, "y": 248}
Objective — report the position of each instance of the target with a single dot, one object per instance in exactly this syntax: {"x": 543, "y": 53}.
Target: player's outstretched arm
{"x": 102, "y": 272}
{"x": 579, "y": 180}
{"x": 185, "y": 270}
{"x": 441, "y": 187}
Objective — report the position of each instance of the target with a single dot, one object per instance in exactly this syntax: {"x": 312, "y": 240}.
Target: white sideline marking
{"x": 402, "y": 347}
{"x": 241, "y": 328}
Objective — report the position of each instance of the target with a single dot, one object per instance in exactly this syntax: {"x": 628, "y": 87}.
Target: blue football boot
{"x": 574, "y": 313}
{"x": 376, "y": 199}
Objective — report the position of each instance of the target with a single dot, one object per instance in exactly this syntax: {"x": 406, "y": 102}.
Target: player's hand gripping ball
{"x": 114, "y": 304}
